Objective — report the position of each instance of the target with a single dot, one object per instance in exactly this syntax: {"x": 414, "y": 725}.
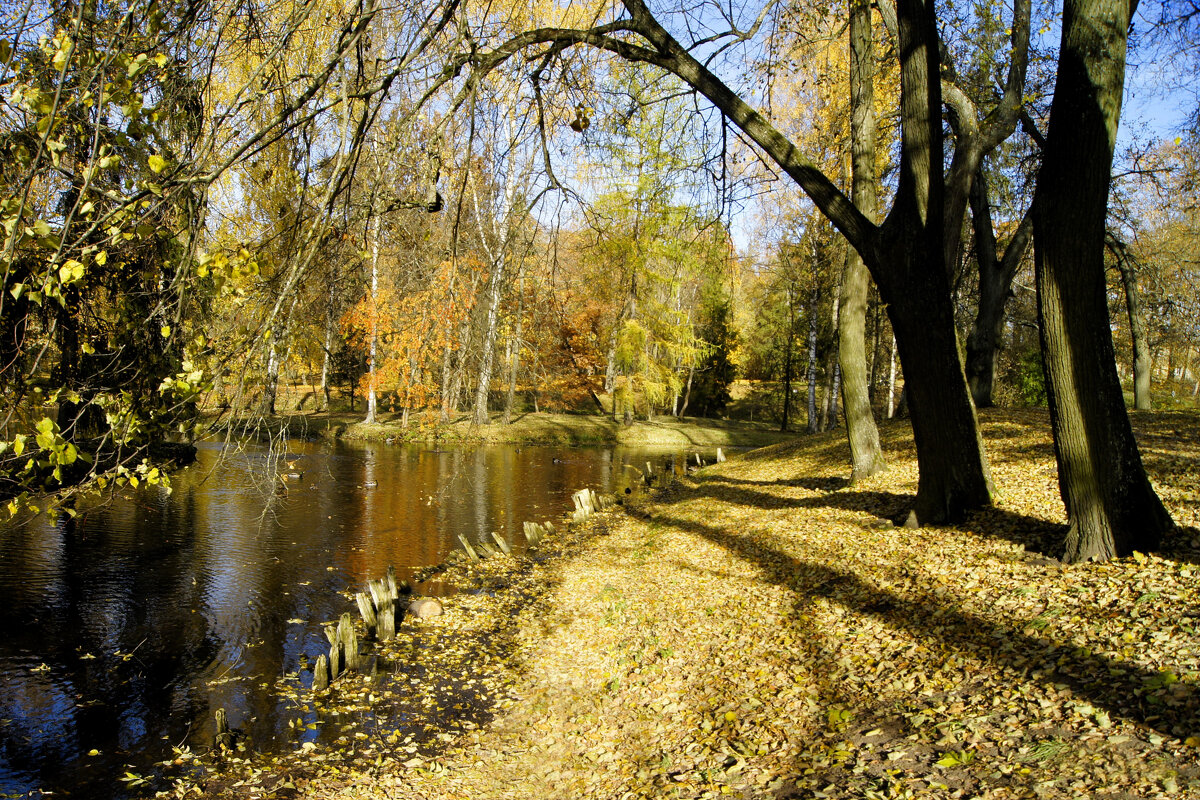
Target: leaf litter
{"x": 763, "y": 630}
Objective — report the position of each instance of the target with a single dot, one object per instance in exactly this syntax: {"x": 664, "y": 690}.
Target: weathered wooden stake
{"x": 335, "y": 661}
{"x": 503, "y": 545}
{"x": 367, "y": 609}
{"x": 321, "y": 674}
{"x": 699, "y": 463}
{"x": 385, "y": 609}
{"x": 470, "y": 551}
{"x": 720, "y": 455}
{"x": 224, "y": 737}
{"x": 348, "y": 640}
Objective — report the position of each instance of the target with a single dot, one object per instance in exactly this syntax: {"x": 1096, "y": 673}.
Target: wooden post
{"x": 385, "y": 609}
{"x": 390, "y": 578}
{"x": 503, "y": 545}
{"x": 348, "y": 640}
{"x": 335, "y": 661}
{"x": 224, "y": 737}
{"x": 470, "y": 551}
{"x": 321, "y": 674}
{"x": 367, "y": 609}
{"x": 720, "y": 455}
{"x": 699, "y": 463}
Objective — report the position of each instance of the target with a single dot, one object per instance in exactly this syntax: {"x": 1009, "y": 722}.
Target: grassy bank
{"x": 764, "y": 630}
{"x": 536, "y": 428}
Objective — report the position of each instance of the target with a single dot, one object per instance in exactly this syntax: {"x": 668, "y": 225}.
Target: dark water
{"x": 123, "y": 630}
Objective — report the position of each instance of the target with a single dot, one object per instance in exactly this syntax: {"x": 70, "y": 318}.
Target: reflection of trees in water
{"x": 197, "y": 589}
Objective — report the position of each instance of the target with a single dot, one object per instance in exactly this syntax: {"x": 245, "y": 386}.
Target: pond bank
{"x": 536, "y": 428}
{"x": 766, "y": 631}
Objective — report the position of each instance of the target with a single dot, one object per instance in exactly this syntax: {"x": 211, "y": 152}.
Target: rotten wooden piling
{"x": 367, "y": 609}
{"x": 321, "y": 674}
{"x": 467, "y": 548}
{"x": 224, "y": 737}
{"x": 348, "y": 641}
{"x": 503, "y": 545}
{"x": 385, "y": 608}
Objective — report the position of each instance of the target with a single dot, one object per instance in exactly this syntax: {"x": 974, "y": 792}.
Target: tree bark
{"x": 1112, "y": 509}
{"x": 866, "y": 455}
{"x": 910, "y": 270}
{"x": 1137, "y": 325}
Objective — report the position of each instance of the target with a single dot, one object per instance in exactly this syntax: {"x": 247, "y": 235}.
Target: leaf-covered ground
{"x": 763, "y": 630}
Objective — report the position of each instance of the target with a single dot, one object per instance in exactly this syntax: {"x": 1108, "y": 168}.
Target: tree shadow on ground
{"x": 1035, "y": 535}
{"x": 1121, "y": 688}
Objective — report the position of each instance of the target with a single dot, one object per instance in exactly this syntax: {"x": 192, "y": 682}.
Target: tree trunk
{"x": 1112, "y": 509}
{"x": 866, "y": 456}
{"x": 373, "y": 346}
{"x": 1137, "y": 326}
{"x": 487, "y": 356}
{"x": 906, "y": 254}
{"x": 910, "y": 269}
{"x": 515, "y": 357}
{"x": 954, "y": 476}
{"x": 995, "y": 283}
{"x": 811, "y": 372}
{"x": 327, "y": 350}
{"x": 787, "y": 358}
{"x": 891, "y": 407}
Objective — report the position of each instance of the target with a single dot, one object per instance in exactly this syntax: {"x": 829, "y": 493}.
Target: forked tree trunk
{"x": 866, "y": 456}
{"x": 1112, "y": 509}
{"x": 954, "y": 476}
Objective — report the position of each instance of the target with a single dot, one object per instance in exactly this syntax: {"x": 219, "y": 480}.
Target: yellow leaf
{"x": 157, "y": 163}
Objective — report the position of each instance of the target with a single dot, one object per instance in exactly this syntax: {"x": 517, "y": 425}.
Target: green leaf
{"x": 157, "y": 163}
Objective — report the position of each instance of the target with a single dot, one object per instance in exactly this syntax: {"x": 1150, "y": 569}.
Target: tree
{"x": 907, "y": 253}
{"x": 866, "y": 455}
{"x": 1111, "y": 507}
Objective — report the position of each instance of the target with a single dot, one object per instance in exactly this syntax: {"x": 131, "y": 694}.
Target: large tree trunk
{"x": 866, "y": 456}
{"x": 954, "y": 476}
{"x": 910, "y": 270}
{"x": 1137, "y": 325}
{"x": 1111, "y": 507}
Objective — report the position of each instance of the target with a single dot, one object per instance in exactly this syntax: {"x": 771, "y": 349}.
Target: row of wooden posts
{"x": 378, "y": 604}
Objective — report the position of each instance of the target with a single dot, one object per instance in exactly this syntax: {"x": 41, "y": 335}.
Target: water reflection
{"x": 127, "y": 627}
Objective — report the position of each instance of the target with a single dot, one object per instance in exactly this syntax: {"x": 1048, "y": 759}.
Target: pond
{"x": 127, "y": 627}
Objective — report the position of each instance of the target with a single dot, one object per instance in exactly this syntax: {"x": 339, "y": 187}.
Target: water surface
{"x": 125, "y": 628}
